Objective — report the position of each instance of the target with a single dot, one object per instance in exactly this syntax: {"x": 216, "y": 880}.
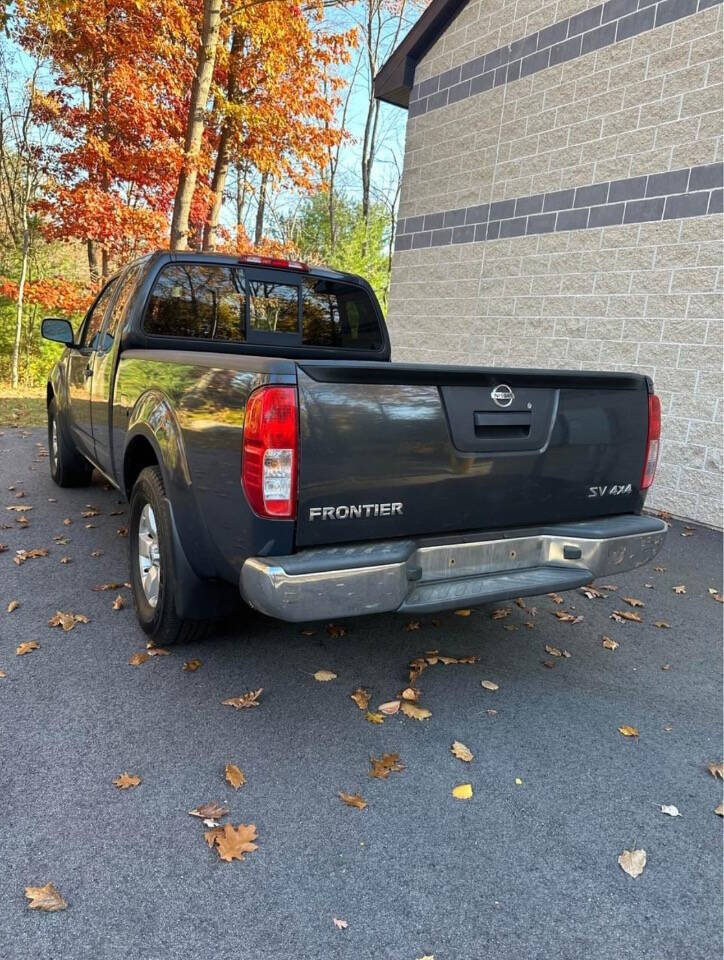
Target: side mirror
{"x": 60, "y": 331}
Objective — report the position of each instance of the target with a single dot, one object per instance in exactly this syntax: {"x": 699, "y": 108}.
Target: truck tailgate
{"x": 394, "y": 450}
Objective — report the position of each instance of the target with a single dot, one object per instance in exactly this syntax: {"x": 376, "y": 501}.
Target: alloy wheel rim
{"x": 149, "y": 555}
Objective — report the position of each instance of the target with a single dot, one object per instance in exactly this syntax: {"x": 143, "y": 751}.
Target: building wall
{"x": 561, "y": 207}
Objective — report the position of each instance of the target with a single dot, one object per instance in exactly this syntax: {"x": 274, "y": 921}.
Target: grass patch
{"x": 24, "y": 407}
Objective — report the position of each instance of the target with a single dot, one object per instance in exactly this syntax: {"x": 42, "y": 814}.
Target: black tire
{"x": 159, "y": 620}
{"x": 68, "y": 468}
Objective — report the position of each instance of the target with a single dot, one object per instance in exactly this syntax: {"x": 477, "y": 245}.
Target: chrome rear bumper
{"x": 419, "y": 576}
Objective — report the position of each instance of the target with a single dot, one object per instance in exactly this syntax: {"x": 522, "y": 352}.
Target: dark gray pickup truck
{"x": 249, "y": 411}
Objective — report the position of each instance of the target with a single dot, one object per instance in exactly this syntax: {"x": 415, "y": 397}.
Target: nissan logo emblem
{"x": 502, "y": 395}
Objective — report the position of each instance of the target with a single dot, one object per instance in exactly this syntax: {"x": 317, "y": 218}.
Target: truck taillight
{"x": 653, "y": 442}
{"x": 270, "y": 451}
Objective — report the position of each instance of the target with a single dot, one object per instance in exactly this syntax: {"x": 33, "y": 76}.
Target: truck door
{"x": 80, "y": 371}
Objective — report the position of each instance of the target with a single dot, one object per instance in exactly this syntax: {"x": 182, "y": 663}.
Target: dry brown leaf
{"x": 413, "y": 711}
{"x": 209, "y": 811}
{"x": 246, "y": 700}
{"x": 136, "y": 659}
{"x": 567, "y": 617}
{"x": 111, "y": 585}
{"x": 549, "y": 664}
{"x": 620, "y": 615}
{"x": 119, "y": 603}
{"x": 633, "y": 602}
{"x": 324, "y": 676}
{"x": 501, "y": 613}
{"x": 122, "y": 531}
{"x": 463, "y": 613}
{"x": 716, "y": 770}
{"x": 554, "y": 651}
{"x": 127, "y": 780}
{"x": 410, "y": 693}
{"x": 66, "y": 559}
{"x": 2, "y": 673}
{"x": 489, "y": 685}
{"x": 670, "y": 810}
{"x": 68, "y": 522}
{"x": 662, "y": 624}
{"x": 353, "y": 800}
{"x": 340, "y": 924}
{"x": 374, "y": 717}
{"x": 361, "y": 697}
{"x": 432, "y": 657}
{"x": 446, "y": 661}
{"x": 22, "y": 555}
{"x": 91, "y": 512}
{"x": 627, "y": 731}
{"x": 191, "y": 665}
{"x": 388, "y": 763}
{"x": 96, "y": 553}
{"x": 47, "y": 898}
{"x": 680, "y": 589}
{"x": 13, "y": 605}
{"x": 412, "y": 625}
{"x": 390, "y": 708}
{"x": 463, "y": 791}
{"x": 556, "y": 597}
{"x": 719, "y": 811}
{"x": 234, "y": 775}
{"x": 19, "y": 508}
{"x": 27, "y": 647}
{"x": 336, "y": 630}
{"x": 659, "y": 569}
{"x": 234, "y": 842}
{"x": 632, "y": 862}
{"x": 462, "y": 752}
{"x": 157, "y": 651}
{"x": 609, "y": 643}
{"x": 67, "y": 620}
{"x": 212, "y": 835}
{"x": 592, "y": 593}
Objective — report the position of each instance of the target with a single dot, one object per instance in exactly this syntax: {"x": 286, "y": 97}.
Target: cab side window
{"x": 94, "y": 320}
{"x": 203, "y": 301}
{"x": 127, "y": 285}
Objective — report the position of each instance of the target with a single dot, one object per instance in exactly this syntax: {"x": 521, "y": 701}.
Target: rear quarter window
{"x": 203, "y": 301}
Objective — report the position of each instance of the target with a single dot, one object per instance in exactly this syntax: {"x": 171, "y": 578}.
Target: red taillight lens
{"x": 270, "y": 452}
{"x": 653, "y": 442}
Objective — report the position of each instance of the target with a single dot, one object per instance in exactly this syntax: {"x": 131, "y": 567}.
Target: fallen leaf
{"x": 659, "y": 569}
{"x": 632, "y": 862}
{"x": 591, "y": 593}
{"x": 410, "y": 693}
{"x": 234, "y": 775}
{"x": 27, "y": 647}
{"x": 361, "y": 697}
{"x": 518, "y": 782}
{"x": 323, "y": 676}
{"x": 233, "y": 842}
{"x": 353, "y": 800}
{"x": 462, "y": 752}
{"x": 491, "y": 713}
{"x": 662, "y": 624}
{"x": 680, "y": 589}
{"x": 666, "y": 666}
{"x": 340, "y": 924}
{"x": 68, "y": 522}
{"x": 549, "y": 664}
{"x": 191, "y": 665}
{"x": 111, "y": 585}
{"x": 90, "y": 513}
{"x": 308, "y": 632}
{"x": 489, "y": 685}
{"x": 22, "y": 555}
{"x": 620, "y": 615}
{"x": 212, "y": 835}
{"x": 633, "y": 602}
{"x": 668, "y": 728}
{"x": 718, "y": 597}
{"x": 122, "y": 531}
{"x": 716, "y": 770}
{"x": 627, "y": 731}
{"x": 335, "y": 630}
{"x": 388, "y": 763}
{"x": 19, "y": 508}
{"x": 565, "y": 617}
{"x": 719, "y": 811}
{"x": 463, "y": 613}
{"x": 209, "y": 811}
{"x": 374, "y": 717}
{"x": 67, "y": 620}
{"x": 390, "y": 708}
{"x": 136, "y": 659}
{"x": 556, "y": 598}
{"x": 47, "y": 898}
{"x": 13, "y": 605}
{"x": 2, "y": 673}
{"x": 412, "y": 625}
{"x": 414, "y": 712}
{"x": 66, "y": 559}
{"x": 119, "y": 603}
{"x": 463, "y": 791}
{"x": 126, "y": 781}
{"x": 670, "y": 810}
{"x": 501, "y": 613}
{"x": 250, "y": 699}
{"x": 609, "y": 643}
{"x": 96, "y": 553}
{"x": 554, "y": 651}
{"x": 157, "y": 651}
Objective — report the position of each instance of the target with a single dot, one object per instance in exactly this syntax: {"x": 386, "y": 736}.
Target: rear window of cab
{"x": 230, "y": 304}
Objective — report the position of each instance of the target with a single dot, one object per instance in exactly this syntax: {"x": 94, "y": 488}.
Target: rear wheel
{"x": 68, "y": 468}
{"x": 153, "y": 577}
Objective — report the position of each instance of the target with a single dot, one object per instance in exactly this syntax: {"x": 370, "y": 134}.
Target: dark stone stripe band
{"x": 691, "y": 192}
{"x": 601, "y": 26}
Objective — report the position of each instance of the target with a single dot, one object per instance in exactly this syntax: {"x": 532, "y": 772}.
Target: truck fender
{"x": 153, "y": 417}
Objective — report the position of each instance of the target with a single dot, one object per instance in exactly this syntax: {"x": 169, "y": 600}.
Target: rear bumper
{"x": 419, "y": 576}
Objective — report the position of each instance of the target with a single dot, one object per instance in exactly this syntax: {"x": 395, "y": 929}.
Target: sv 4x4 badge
{"x": 614, "y": 490}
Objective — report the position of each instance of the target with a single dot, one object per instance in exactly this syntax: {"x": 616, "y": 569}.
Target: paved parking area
{"x": 521, "y": 870}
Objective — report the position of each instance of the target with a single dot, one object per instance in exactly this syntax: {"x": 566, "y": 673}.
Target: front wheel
{"x": 153, "y": 577}
{"x": 68, "y": 468}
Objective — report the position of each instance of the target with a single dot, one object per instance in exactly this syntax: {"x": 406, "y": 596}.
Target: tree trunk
{"x": 259, "y": 225}
{"x": 15, "y": 375}
{"x": 94, "y": 266}
{"x": 195, "y": 124}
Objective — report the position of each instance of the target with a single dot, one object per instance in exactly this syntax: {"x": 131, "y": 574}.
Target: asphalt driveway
{"x": 521, "y": 870}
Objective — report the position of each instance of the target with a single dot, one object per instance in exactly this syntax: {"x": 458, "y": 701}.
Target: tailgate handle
{"x": 501, "y": 425}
